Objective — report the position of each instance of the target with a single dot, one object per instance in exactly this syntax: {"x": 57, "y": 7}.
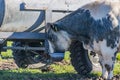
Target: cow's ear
{"x": 52, "y": 26}
{"x": 49, "y": 25}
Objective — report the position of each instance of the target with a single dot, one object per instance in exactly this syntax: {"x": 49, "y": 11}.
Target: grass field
{"x": 59, "y": 71}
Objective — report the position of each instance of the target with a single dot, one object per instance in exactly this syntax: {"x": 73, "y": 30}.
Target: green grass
{"x": 117, "y": 68}
{"x": 8, "y": 53}
{"x": 67, "y": 55}
{"x": 63, "y": 68}
{"x": 59, "y": 71}
{"x": 118, "y": 57}
{"x": 26, "y": 74}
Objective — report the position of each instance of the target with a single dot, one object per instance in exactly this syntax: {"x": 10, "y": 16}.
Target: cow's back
{"x": 100, "y": 8}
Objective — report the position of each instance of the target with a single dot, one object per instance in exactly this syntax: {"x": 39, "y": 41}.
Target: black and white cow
{"x": 96, "y": 25}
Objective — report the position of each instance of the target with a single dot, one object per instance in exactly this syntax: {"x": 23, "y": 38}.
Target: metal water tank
{"x": 13, "y": 19}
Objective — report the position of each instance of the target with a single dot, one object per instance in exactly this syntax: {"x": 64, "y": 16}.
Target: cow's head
{"x": 59, "y": 40}
{"x": 75, "y": 23}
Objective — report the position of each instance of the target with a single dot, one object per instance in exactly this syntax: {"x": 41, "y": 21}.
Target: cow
{"x": 96, "y": 25}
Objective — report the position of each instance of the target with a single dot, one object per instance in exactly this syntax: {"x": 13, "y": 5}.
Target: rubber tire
{"x": 24, "y": 60}
{"x": 80, "y": 59}
{"x": 20, "y": 60}
{"x": 20, "y": 57}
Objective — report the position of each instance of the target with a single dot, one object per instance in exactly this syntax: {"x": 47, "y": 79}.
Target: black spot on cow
{"x": 85, "y": 28}
{"x": 108, "y": 68}
{"x": 112, "y": 66}
{"x": 115, "y": 53}
{"x": 113, "y": 58}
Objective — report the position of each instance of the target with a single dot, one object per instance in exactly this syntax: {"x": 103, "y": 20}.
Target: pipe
{"x": 57, "y": 56}
{"x": 26, "y": 48}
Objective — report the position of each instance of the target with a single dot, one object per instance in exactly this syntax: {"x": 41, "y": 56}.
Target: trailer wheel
{"x": 26, "y": 59}
{"x": 80, "y": 59}
{"x": 19, "y": 56}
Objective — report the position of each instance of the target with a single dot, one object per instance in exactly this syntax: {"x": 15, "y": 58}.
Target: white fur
{"x": 98, "y": 10}
{"x": 64, "y": 40}
{"x": 51, "y": 49}
{"x": 114, "y": 19}
{"x": 101, "y": 8}
{"x": 105, "y": 56}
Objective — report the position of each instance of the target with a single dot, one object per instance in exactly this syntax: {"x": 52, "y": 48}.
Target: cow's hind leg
{"x": 108, "y": 63}
{"x": 101, "y": 61}
{"x": 108, "y": 55}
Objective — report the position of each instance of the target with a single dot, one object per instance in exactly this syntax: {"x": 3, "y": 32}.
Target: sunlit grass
{"x": 58, "y": 70}
{"x": 63, "y": 68}
{"x": 118, "y": 56}
{"x": 67, "y": 55}
{"x": 8, "y": 53}
{"x": 117, "y": 68}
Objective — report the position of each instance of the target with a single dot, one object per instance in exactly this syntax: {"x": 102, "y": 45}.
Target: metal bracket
{"x": 25, "y": 48}
{"x": 22, "y": 35}
{"x": 41, "y": 7}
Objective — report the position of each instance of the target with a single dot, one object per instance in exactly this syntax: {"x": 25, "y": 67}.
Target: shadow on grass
{"x": 11, "y": 75}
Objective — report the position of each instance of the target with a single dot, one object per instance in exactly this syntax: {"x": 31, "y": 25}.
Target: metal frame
{"x": 41, "y": 7}
{"x": 2, "y": 11}
{"x": 26, "y": 48}
{"x": 32, "y": 35}
{"x": 22, "y": 35}
{"x": 29, "y": 36}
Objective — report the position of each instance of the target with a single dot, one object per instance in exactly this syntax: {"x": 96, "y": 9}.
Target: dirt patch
{"x": 7, "y": 64}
